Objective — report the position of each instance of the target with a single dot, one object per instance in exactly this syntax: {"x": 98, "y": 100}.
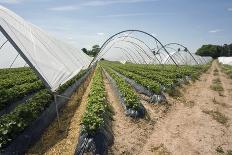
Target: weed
{"x": 217, "y": 87}
{"x": 229, "y": 152}
{"x": 174, "y": 93}
{"x": 218, "y": 116}
{"x": 190, "y": 104}
{"x": 215, "y": 70}
{"x": 160, "y": 150}
{"x": 219, "y": 149}
{"x": 216, "y": 81}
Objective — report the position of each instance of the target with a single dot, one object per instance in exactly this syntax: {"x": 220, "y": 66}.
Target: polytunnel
{"x": 225, "y": 60}
{"x": 139, "y": 47}
{"x": 53, "y": 60}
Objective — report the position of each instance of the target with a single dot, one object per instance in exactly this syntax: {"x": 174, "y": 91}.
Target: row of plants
{"x": 13, "y": 123}
{"x": 16, "y": 121}
{"x": 164, "y": 75}
{"x": 166, "y": 81}
{"x": 71, "y": 81}
{"x": 97, "y": 109}
{"x": 16, "y": 74}
{"x": 13, "y": 81}
{"x": 18, "y": 92}
{"x": 173, "y": 70}
{"x": 130, "y": 97}
{"x": 14, "y": 70}
{"x": 227, "y": 69}
{"x": 151, "y": 85}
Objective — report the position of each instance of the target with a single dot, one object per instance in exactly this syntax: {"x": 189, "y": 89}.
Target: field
{"x": 124, "y": 109}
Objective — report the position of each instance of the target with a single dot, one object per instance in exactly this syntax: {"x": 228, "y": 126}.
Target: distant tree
{"x": 93, "y": 52}
{"x": 85, "y": 50}
{"x": 215, "y": 50}
{"x": 209, "y": 50}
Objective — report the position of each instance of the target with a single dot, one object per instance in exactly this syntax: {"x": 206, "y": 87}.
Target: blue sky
{"x": 84, "y": 23}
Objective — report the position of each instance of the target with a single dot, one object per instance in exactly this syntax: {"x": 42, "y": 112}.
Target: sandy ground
{"x": 130, "y": 134}
{"x": 187, "y": 129}
{"x": 62, "y": 140}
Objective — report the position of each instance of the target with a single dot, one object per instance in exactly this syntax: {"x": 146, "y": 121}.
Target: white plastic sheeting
{"x": 55, "y": 61}
{"x": 225, "y": 60}
{"x": 141, "y": 48}
{"x": 185, "y": 58}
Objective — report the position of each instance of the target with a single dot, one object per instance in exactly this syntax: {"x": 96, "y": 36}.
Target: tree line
{"x": 215, "y": 51}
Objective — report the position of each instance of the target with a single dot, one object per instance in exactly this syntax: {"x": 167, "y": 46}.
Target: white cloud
{"x": 65, "y": 8}
{"x": 100, "y": 33}
{"x": 11, "y": 1}
{"x": 229, "y": 9}
{"x": 110, "y": 2}
{"x": 94, "y": 3}
{"x": 125, "y": 15}
{"x": 215, "y": 31}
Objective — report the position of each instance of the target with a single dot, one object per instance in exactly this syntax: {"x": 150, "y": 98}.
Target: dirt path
{"x": 192, "y": 126}
{"x": 63, "y": 140}
{"x": 130, "y": 134}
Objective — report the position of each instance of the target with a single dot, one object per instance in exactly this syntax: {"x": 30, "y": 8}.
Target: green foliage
{"x": 153, "y": 76}
{"x": 227, "y": 69}
{"x": 93, "y": 52}
{"x": 71, "y": 81}
{"x": 131, "y": 99}
{"x": 219, "y": 149}
{"x": 97, "y": 108}
{"x": 18, "y": 92}
{"x": 17, "y": 120}
{"x": 215, "y": 50}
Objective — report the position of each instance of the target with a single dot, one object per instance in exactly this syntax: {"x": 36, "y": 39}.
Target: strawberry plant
{"x": 97, "y": 109}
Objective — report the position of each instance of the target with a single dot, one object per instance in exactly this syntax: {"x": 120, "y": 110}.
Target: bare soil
{"x": 62, "y": 140}
{"x": 187, "y": 128}
{"x": 199, "y": 122}
{"x": 131, "y": 134}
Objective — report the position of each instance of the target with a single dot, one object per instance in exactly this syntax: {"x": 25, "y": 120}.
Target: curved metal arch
{"x": 126, "y": 53}
{"x": 108, "y": 40}
{"x": 181, "y": 46}
{"x": 129, "y": 50}
{"x": 3, "y": 44}
{"x": 138, "y": 53}
{"x": 174, "y": 53}
{"x": 135, "y": 45}
{"x": 140, "y": 47}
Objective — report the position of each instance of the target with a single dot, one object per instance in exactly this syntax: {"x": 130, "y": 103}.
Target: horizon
{"x": 86, "y": 23}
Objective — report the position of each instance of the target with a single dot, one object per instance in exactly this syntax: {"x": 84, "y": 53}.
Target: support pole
{"x": 57, "y": 110}
{"x": 3, "y": 44}
{"x": 14, "y": 60}
{"x": 24, "y": 57}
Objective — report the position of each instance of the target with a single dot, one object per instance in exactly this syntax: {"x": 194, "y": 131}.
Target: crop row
{"x": 166, "y": 81}
{"x": 172, "y": 70}
{"x": 17, "y": 92}
{"x": 14, "y": 70}
{"x": 151, "y": 85}
{"x": 227, "y": 69}
{"x": 154, "y": 76}
{"x": 17, "y": 120}
{"x": 97, "y": 108}
{"x": 71, "y": 81}
{"x": 23, "y": 115}
{"x": 13, "y": 81}
{"x": 16, "y": 74}
{"x": 130, "y": 97}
